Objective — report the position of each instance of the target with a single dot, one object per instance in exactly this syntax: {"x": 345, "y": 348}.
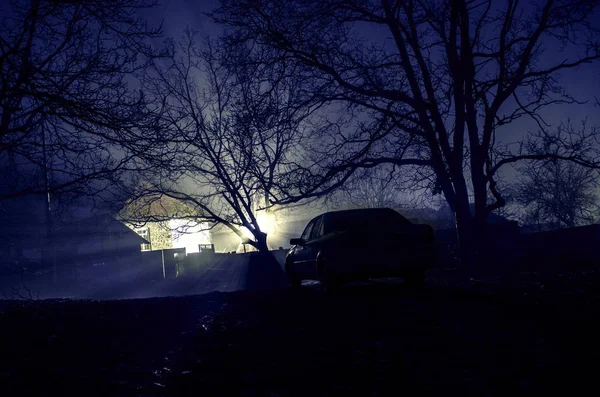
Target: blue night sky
{"x": 583, "y": 83}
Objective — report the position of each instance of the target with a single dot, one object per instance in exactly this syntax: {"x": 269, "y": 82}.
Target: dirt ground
{"x": 456, "y": 336}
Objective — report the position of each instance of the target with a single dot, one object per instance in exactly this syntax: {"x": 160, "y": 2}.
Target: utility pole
{"x": 49, "y": 251}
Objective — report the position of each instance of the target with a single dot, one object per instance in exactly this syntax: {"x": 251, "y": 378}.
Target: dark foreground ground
{"x": 456, "y": 336}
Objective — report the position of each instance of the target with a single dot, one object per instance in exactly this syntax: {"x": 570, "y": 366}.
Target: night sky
{"x": 583, "y": 83}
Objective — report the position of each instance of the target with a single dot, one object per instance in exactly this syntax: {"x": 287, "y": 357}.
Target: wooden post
{"x": 163, "y": 263}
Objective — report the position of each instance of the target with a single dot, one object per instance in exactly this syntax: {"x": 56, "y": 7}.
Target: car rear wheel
{"x": 415, "y": 278}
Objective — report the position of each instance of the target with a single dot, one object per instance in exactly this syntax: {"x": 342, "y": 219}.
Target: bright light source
{"x": 188, "y": 235}
{"x": 266, "y": 221}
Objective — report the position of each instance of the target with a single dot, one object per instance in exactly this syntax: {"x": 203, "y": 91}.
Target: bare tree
{"x": 563, "y": 194}
{"x": 377, "y": 188}
{"x": 66, "y": 105}
{"x": 67, "y": 109}
{"x": 225, "y": 130}
{"x": 431, "y": 84}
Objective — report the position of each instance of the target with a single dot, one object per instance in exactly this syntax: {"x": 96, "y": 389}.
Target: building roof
{"x": 95, "y": 227}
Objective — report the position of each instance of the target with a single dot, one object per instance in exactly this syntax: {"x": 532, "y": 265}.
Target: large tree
{"x": 68, "y": 110}
{"x": 225, "y": 132}
{"x": 67, "y": 103}
{"x": 432, "y": 84}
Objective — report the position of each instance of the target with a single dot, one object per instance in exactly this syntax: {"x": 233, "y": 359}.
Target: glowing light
{"x": 188, "y": 235}
{"x": 266, "y": 221}
{"x": 247, "y": 233}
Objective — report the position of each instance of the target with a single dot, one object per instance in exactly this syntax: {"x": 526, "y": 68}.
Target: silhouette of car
{"x": 355, "y": 245}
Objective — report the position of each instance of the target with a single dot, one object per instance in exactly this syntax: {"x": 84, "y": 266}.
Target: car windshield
{"x": 353, "y": 220}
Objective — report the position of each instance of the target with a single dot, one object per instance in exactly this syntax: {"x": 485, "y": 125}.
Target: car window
{"x": 307, "y": 230}
{"x": 317, "y": 230}
{"x": 365, "y": 220}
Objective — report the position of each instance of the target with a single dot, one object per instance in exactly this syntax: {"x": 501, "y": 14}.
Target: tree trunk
{"x": 457, "y": 196}
{"x": 479, "y": 218}
{"x": 264, "y": 270}
{"x": 261, "y": 240}
{"x": 466, "y": 238}
{"x": 49, "y": 252}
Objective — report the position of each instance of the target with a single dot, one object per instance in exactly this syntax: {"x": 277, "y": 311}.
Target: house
{"x": 157, "y": 234}
{"x": 99, "y": 241}
{"x": 22, "y": 230}
{"x": 174, "y": 233}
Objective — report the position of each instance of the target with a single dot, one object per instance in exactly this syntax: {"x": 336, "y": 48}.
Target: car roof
{"x": 359, "y": 211}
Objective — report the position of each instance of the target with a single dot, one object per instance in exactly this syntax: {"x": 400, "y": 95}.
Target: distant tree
{"x": 225, "y": 132}
{"x": 426, "y": 84}
{"x": 561, "y": 194}
{"x": 376, "y": 188}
